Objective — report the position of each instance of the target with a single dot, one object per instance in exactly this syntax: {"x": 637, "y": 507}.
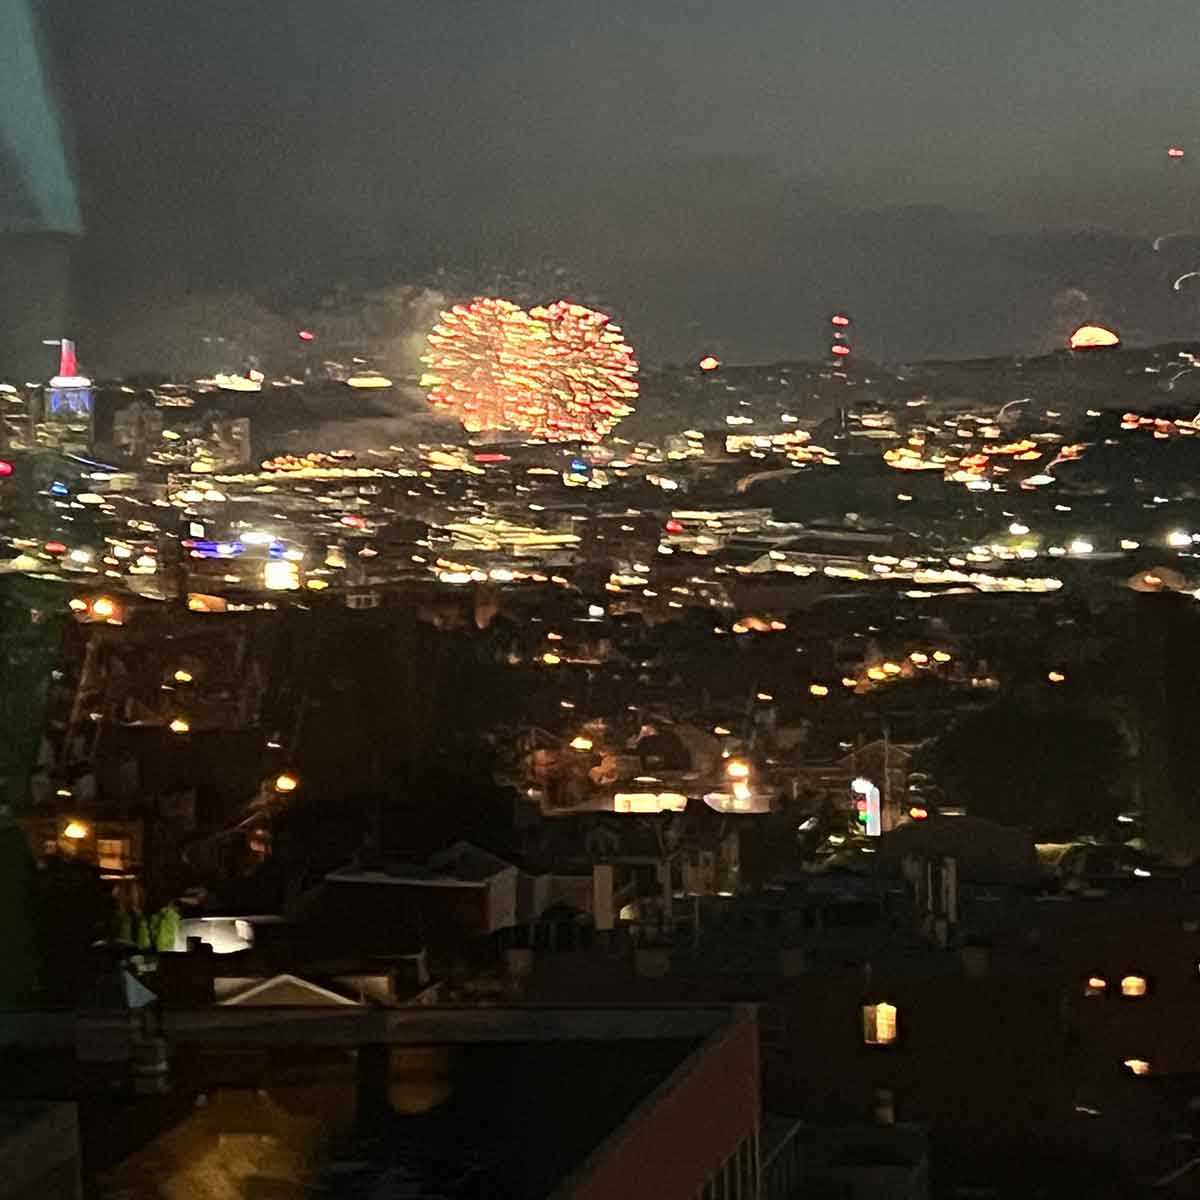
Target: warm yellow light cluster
{"x": 562, "y": 372}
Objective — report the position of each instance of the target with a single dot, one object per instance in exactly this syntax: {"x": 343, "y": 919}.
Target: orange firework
{"x": 558, "y": 373}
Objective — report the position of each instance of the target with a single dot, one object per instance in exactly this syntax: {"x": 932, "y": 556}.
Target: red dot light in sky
{"x": 1175, "y": 152}
{"x": 305, "y": 335}
{"x": 839, "y": 319}
{"x": 840, "y": 350}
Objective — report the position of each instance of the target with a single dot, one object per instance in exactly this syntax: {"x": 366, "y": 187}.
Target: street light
{"x": 75, "y": 830}
{"x": 286, "y": 783}
{"x": 179, "y": 725}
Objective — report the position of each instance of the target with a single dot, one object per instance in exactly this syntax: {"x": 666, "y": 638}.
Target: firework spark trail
{"x": 562, "y": 372}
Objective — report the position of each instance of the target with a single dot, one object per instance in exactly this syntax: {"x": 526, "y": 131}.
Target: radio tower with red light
{"x": 840, "y": 349}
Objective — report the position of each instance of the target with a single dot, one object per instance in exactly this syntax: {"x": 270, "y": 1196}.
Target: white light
{"x": 257, "y": 537}
{"x": 1017, "y": 529}
{"x": 1179, "y": 539}
{"x": 1080, "y": 546}
{"x": 280, "y": 576}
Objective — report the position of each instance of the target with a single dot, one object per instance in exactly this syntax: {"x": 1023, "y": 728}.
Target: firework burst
{"x": 558, "y": 373}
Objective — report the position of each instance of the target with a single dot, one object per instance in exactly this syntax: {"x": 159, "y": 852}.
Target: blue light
{"x": 59, "y": 489}
{"x": 209, "y": 549}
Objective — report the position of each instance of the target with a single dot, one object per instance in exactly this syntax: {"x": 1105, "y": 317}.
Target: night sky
{"x": 723, "y": 175}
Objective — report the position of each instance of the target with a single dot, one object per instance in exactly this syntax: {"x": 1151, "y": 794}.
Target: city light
{"x": 75, "y": 830}
{"x": 709, "y": 363}
{"x": 182, "y": 676}
{"x": 279, "y": 575}
{"x": 179, "y": 725}
{"x": 581, "y": 743}
{"x": 104, "y": 608}
{"x": 286, "y": 782}
{"x": 737, "y": 768}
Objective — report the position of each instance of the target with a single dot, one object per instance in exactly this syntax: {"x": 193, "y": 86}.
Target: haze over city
{"x": 717, "y": 173}
{"x": 599, "y": 601}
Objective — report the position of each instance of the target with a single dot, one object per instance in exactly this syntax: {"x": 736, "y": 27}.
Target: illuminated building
{"x": 67, "y": 416}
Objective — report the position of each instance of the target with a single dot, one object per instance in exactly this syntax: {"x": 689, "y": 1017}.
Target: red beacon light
{"x": 6, "y": 468}
{"x": 55, "y": 548}
{"x": 673, "y": 526}
{"x": 840, "y": 350}
{"x": 1175, "y": 151}
{"x": 840, "y": 320}
{"x": 305, "y": 335}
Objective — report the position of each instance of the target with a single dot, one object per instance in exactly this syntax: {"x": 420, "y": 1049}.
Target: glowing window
{"x": 112, "y": 853}
{"x": 879, "y": 1024}
{"x": 1133, "y": 986}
